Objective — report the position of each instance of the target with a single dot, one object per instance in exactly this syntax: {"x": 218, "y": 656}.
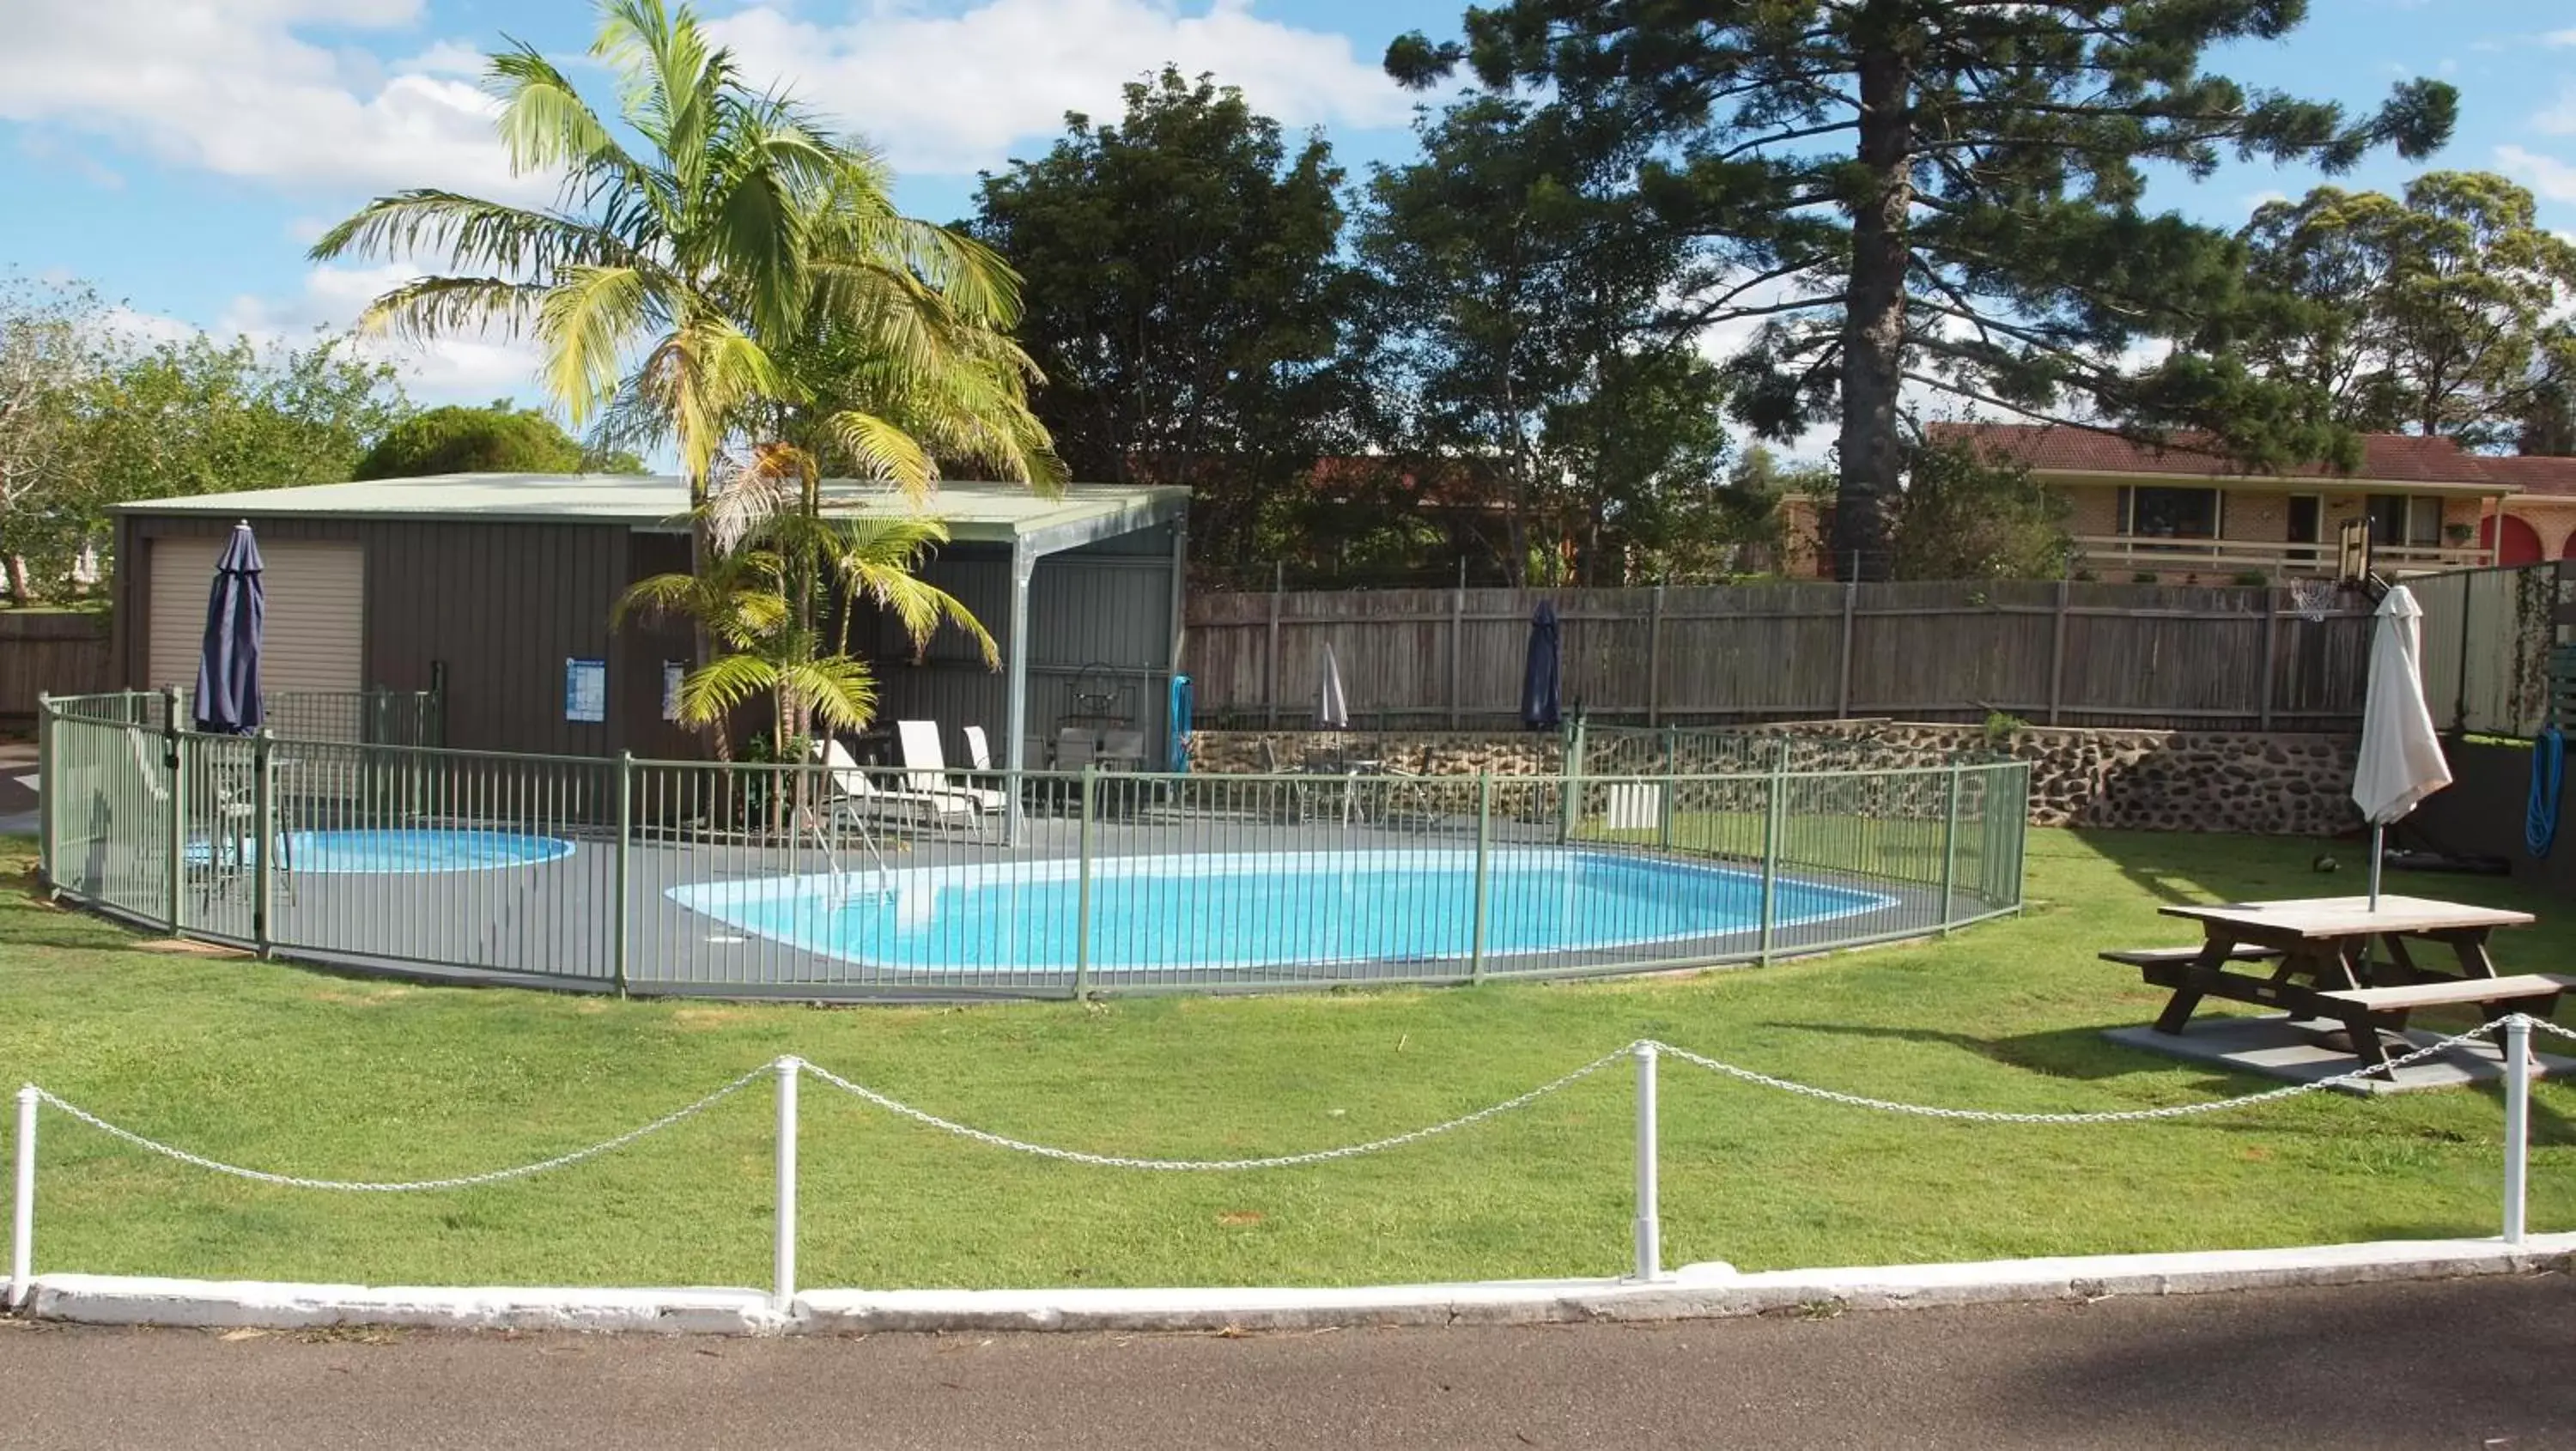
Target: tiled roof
{"x": 2386, "y": 457}
{"x": 2536, "y": 474}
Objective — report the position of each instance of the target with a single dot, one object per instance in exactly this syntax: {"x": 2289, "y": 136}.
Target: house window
{"x": 2166, "y": 513}
{"x": 2413, "y": 520}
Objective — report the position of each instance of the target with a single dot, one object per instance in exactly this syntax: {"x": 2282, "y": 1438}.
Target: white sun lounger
{"x": 855, "y": 794}
{"x": 926, "y": 769}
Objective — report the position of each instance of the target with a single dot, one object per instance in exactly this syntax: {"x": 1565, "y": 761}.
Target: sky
{"x": 181, "y": 155}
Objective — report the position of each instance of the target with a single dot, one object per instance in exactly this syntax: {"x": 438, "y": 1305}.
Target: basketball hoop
{"x": 2314, "y": 600}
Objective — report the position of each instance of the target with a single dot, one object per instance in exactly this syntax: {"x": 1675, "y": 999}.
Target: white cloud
{"x": 451, "y": 370}
{"x": 2546, "y": 175}
{"x": 2559, "y": 37}
{"x": 951, "y": 93}
{"x": 231, "y": 87}
{"x": 446, "y": 58}
{"x": 2558, "y": 119}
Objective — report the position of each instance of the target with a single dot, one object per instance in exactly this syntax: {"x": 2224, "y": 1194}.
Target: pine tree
{"x": 1946, "y": 194}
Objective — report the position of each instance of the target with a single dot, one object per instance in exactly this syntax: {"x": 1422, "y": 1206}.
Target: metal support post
{"x": 1664, "y": 792}
{"x": 1570, "y": 789}
{"x": 174, "y": 757}
{"x": 22, "y": 1218}
{"x": 49, "y": 785}
{"x": 1484, "y": 853}
{"x": 2517, "y": 1121}
{"x": 1950, "y": 849}
{"x": 1775, "y": 807}
{"x": 264, "y": 840}
{"x": 1082, "y": 889}
{"x": 782, "y": 1290}
{"x": 619, "y": 874}
{"x": 1650, "y": 1230}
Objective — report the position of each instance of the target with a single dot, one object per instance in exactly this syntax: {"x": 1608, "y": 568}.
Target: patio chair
{"x": 926, "y": 768}
{"x": 1290, "y": 795}
{"x": 854, "y": 795}
{"x": 1122, "y": 750}
{"x": 1075, "y": 748}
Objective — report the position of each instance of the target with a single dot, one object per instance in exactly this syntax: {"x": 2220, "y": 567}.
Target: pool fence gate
{"x": 1646, "y": 1054}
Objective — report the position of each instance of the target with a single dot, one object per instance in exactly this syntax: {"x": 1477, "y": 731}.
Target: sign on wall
{"x": 586, "y": 690}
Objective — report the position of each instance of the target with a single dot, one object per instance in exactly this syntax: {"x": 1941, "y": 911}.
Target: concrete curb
{"x": 1709, "y": 1291}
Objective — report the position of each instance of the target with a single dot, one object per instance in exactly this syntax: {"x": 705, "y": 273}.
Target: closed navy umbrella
{"x": 227, "y": 698}
{"x": 1539, "y": 706}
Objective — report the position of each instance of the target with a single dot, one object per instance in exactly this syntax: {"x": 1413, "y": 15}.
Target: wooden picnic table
{"x": 2313, "y": 958}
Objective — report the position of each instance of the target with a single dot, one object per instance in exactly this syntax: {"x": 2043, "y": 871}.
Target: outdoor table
{"x": 2324, "y": 946}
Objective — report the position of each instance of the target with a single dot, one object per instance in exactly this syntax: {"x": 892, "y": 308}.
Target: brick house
{"x": 2184, "y": 515}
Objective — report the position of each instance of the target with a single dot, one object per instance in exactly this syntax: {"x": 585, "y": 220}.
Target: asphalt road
{"x": 2471, "y": 1364}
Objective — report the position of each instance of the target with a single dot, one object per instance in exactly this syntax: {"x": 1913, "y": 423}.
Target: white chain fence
{"x": 2108, "y": 1116}
{"x": 1278, "y": 1161}
{"x": 360, "y": 1186}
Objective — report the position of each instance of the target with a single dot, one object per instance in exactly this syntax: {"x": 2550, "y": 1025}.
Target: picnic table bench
{"x": 2322, "y": 964}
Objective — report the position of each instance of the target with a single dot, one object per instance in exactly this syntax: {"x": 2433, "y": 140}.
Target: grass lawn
{"x": 301, "y": 1071}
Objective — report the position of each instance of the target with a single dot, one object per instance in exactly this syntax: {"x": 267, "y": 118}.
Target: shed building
{"x": 497, "y": 590}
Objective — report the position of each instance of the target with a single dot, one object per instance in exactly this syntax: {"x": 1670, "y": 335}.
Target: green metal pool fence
{"x": 807, "y": 882}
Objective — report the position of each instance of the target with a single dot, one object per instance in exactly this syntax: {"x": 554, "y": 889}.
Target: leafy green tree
{"x": 2437, "y": 312}
{"x": 2548, "y": 424}
{"x": 666, "y": 283}
{"x": 1186, "y": 299}
{"x": 1963, "y": 516}
{"x": 1943, "y": 193}
{"x": 199, "y": 416}
{"x": 1516, "y": 285}
{"x": 53, "y": 347}
{"x": 1642, "y": 450}
{"x": 497, "y": 439}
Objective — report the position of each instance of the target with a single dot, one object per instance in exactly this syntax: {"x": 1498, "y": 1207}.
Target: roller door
{"x": 315, "y": 626}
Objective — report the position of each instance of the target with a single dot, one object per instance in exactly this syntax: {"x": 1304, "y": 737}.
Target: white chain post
{"x": 783, "y": 1280}
{"x": 1650, "y": 1231}
{"x": 22, "y": 1219}
{"x": 2517, "y": 1121}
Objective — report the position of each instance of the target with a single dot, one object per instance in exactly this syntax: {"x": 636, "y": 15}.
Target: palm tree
{"x": 780, "y": 602}
{"x": 665, "y": 287}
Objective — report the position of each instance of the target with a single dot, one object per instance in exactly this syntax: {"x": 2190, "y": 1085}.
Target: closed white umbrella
{"x": 2401, "y": 757}
{"x": 1332, "y": 709}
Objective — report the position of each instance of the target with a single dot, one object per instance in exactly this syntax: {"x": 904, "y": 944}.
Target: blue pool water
{"x": 1174, "y": 913}
{"x": 417, "y": 850}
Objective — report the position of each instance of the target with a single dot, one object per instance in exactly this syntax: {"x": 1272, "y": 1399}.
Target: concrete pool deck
{"x": 549, "y": 923}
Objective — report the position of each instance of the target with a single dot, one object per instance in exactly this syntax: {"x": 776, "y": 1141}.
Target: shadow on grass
{"x": 2082, "y": 1053}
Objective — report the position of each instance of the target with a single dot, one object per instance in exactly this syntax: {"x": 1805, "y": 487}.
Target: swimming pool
{"x": 1175, "y": 913}
{"x": 399, "y": 851}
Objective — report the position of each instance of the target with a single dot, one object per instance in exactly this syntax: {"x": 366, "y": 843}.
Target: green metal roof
{"x": 994, "y": 513}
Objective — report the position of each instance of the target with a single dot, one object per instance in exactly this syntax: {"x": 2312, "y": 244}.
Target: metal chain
{"x": 2543, "y": 1024}
{"x": 1281, "y": 1161}
{"x": 466, "y": 1181}
{"x": 2128, "y": 1115}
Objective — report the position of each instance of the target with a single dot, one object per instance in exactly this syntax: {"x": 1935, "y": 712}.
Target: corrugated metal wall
{"x": 502, "y": 605}
{"x": 1100, "y": 621}
{"x": 505, "y": 604}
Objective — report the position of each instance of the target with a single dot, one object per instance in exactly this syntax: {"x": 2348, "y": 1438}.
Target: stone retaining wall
{"x": 2271, "y": 783}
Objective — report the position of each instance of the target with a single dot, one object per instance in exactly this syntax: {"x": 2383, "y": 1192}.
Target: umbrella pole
{"x": 2375, "y": 830}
